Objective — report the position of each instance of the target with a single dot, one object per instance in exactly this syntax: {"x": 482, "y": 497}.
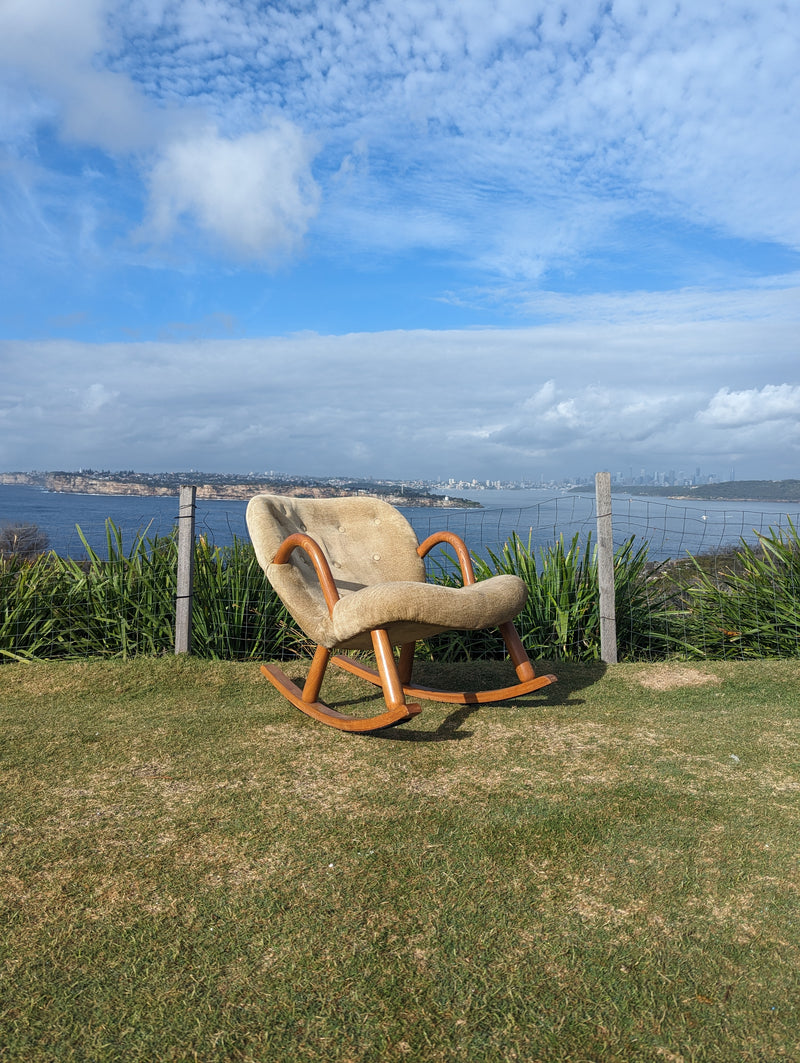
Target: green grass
{"x": 194, "y": 870}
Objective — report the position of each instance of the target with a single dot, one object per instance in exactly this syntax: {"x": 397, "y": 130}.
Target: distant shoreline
{"x": 780, "y": 491}
{"x": 223, "y": 490}
{"x": 731, "y": 498}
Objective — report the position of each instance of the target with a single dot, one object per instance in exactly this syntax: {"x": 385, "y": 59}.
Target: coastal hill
{"x": 229, "y": 486}
{"x": 729, "y": 491}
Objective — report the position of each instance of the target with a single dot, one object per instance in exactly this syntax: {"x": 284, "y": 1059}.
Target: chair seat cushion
{"x": 429, "y": 605}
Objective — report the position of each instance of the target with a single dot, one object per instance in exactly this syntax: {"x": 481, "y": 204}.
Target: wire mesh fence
{"x": 694, "y": 579}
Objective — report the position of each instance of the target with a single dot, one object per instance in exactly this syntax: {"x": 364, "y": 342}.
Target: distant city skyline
{"x": 642, "y": 476}
{"x": 476, "y": 238}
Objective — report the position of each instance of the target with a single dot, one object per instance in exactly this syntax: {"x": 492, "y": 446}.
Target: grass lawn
{"x": 604, "y": 870}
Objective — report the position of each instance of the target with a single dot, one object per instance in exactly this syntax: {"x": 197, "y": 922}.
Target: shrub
{"x": 747, "y": 610}
{"x": 561, "y": 618}
{"x": 24, "y": 541}
{"x": 124, "y": 603}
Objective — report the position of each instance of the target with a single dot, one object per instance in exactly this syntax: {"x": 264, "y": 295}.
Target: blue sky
{"x": 404, "y": 239}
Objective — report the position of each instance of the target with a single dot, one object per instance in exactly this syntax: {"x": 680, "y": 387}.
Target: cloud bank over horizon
{"x": 463, "y": 239}
{"x": 553, "y": 401}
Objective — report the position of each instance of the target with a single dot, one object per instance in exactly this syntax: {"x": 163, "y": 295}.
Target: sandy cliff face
{"x": 78, "y": 483}
{"x": 88, "y": 485}
{"x": 12, "y": 478}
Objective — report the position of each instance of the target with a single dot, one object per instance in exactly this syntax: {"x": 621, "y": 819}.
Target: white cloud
{"x": 678, "y": 107}
{"x": 55, "y": 44}
{"x": 516, "y": 137}
{"x": 543, "y": 398}
{"x": 488, "y": 403}
{"x": 255, "y": 193}
{"x": 96, "y": 397}
{"x": 733, "y": 409}
{"x": 253, "y": 190}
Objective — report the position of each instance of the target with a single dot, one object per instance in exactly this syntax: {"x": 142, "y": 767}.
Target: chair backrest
{"x": 365, "y": 540}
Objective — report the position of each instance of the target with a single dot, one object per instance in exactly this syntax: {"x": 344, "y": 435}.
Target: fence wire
{"x": 709, "y": 589}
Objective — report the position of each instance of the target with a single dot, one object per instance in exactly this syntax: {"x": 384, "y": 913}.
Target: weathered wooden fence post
{"x": 183, "y": 600}
{"x": 605, "y": 568}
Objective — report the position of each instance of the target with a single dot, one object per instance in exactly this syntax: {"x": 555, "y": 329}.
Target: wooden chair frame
{"x": 392, "y": 675}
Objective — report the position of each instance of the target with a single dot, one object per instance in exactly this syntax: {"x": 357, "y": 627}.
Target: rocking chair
{"x": 350, "y": 572}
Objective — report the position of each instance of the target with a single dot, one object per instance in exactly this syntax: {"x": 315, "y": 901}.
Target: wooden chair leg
{"x": 316, "y": 674}
{"x": 387, "y": 669}
{"x": 405, "y": 666}
{"x": 517, "y": 653}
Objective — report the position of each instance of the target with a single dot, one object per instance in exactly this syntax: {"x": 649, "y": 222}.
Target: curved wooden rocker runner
{"x": 350, "y": 572}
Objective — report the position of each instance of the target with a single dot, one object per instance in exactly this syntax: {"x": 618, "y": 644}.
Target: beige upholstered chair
{"x": 351, "y": 574}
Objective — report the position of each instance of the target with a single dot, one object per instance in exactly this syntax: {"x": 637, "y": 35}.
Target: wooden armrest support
{"x": 320, "y": 562}
{"x": 460, "y": 547}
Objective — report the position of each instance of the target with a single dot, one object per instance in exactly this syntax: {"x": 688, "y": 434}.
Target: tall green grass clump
{"x": 116, "y": 606}
{"x": 744, "y": 611}
{"x": 123, "y": 604}
{"x": 26, "y": 615}
{"x": 561, "y": 618}
{"x": 236, "y": 615}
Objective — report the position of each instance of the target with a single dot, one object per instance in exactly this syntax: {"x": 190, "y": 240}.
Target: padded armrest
{"x": 460, "y": 547}
{"x": 318, "y": 559}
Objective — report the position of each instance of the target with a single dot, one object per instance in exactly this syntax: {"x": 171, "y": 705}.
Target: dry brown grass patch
{"x": 673, "y": 676}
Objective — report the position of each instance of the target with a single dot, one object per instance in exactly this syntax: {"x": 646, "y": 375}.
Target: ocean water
{"x": 59, "y": 514}
{"x": 672, "y": 528}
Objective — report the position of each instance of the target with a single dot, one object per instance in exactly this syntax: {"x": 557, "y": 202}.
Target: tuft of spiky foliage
{"x": 561, "y": 618}
{"x": 27, "y": 592}
{"x": 747, "y": 610}
{"x": 123, "y": 604}
{"x": 236, "y": 615}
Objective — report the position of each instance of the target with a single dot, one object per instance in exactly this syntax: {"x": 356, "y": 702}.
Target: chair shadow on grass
{"x": 572, "y": 678}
